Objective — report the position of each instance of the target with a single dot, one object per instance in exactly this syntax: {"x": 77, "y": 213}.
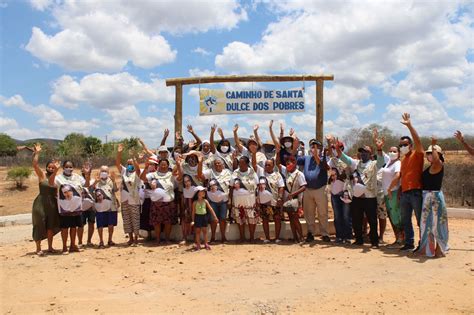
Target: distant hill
{"x": 54, "y": 142}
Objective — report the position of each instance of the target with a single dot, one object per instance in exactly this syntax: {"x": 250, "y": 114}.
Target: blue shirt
{"x": 316, "y": 176}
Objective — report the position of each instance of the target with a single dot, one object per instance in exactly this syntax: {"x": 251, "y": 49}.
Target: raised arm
{"x": 257, "y": 137}
{"x": 200, "y": 175}
{"x": 118, "y": 159}
{"x": 458, "y": 135}
{"x": 38, "y": 171}
{"x": 136, "y": 165}
{"x": 87, "y": 170}
{"x": 165, "y": 136}
{"x": 379, "y": 143}
{"x": 254, "y": 160}
{"x": 148, "y": 151}
{"x": 238, "y": 144}
{"x": 282, "y": 131}
{"x": 145, "y": 172}
{"x": 414, "y": 134}
{"x": 198, "y": 140}
{"x": 275, "y": 140}
{"x": 211, "y": 138}
{"x": 221, "y": 133}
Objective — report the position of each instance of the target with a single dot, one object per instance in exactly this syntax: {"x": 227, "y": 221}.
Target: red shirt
{"x": 411, "y": 170}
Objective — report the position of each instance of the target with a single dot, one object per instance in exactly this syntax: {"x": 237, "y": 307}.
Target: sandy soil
{"x": 231, "y": 278}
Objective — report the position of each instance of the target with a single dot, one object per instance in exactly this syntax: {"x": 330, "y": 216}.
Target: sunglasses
{"x": 403, "y": 145}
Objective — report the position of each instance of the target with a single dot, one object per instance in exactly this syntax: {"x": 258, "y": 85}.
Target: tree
{"x": 92, "y": 145}
{"x": 74, "y": 144}
{"x": 359, "y": 137}
{"x": 19, "y": 174}
{"x": 7, "y": 145}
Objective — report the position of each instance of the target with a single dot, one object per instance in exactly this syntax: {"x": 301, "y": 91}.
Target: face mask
{"x": 365, "y": 157}
{"x": 429, "y": 158}
{"x": 67, "y": 171}
{"x": 393, "y": 155}
{"x": 104, "y": 175}
{"x": 193, "y": 168}
{"x": 176, "y": 155}
{"x": 130, "y": 168}
{"x": 224, "y": 148}
{"x": 288, "y": 145}
{"x": 404, "y": 150}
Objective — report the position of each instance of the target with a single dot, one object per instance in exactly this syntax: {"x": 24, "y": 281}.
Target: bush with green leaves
{"x": 7, "y": 145}
{"x": 19, "y": 175}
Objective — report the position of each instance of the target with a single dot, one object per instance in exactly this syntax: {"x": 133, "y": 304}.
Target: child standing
{"x": 199, "y": 215}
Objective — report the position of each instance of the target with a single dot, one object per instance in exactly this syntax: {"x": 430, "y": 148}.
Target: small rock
{"x": 154, "y": 271}
{"x": 181, "y": 262}
{"x": 142, "y": 262}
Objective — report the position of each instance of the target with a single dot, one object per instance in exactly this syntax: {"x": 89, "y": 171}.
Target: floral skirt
{"x": 434, "y": 224}
{"x": 163, "y": 213}
{"x": 268, "y": 212}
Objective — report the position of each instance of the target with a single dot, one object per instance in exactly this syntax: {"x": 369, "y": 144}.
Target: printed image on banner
{"x": 219, "y": 102}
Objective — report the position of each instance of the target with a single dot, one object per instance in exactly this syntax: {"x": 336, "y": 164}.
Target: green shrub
{"x": 19, "y": 174}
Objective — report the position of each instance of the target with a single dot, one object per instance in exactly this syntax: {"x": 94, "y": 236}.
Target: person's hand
{"x": 177, "y": 135}
{"x": 253, "y": 149}
{"x": 234, "y": 154}
{"x": 179, "y": 159}
{"x": 236, "y": 127}
{"x": 86, "y": 168}
{"x": 192, "y": 144}
{"x": 292, "y": 132}
{"x": 406, "y": 119}
{"x": 375, "y": 134}
{"x": 213, "y": 128}
{"x": 120, "y": 148}
{"x": 190, "y": 129}
{"x": 215, "y": 219}
{"x": 434, "y": 141}
{"x": 56, "y": 165}
{"x": 112, "y": 175}
{"x": 255, "y": 127}
{"x": 458, "y": 135}
{"x": 270, "y": 125}
{"x": 281, "y": 128}
{"x": 329, "y": 139}
{"x": 379, "y": 143}
{"x": 220, "y": 132}
{"x": 166, "y": 133}
{"x": 389, "y": 192}
{"x": 37, "y": 148}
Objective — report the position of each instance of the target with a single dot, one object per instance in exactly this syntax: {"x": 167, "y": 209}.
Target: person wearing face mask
{"x": 434, "y": 216}
{"x": 295, "y": 185}
{"x": 243, "y": 197}
{"x": 223, "y": 149}
{"x": 364, "y": 189}
{"x": 207, "y": 155}
{"x": 106, "y": 204}
{"x": 271, "y": 207}
{"x": 70, "y": 187}
{"x": 252, "y": 145}
{"x": 45, "y": 215}
{"x": 391, "y": 186}
{"x": 412, "y": 156}
{"x": 151, "y": 166}
{"x": 129, "y": 196}
{"x": 218, "y": 195}
{"x": 164, "y": 154}
{"x": 315, "y": 197}
{"x": 162, "y": 211}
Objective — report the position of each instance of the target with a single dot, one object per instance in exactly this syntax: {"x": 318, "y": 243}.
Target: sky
{"x": 99, "y": 67}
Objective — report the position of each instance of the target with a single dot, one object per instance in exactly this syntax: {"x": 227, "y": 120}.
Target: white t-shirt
{"x": 133, "y": 198}
{"x": 388, "y": 173}
{"x": 299, "y": 180}
{"x": 263, "y": 196}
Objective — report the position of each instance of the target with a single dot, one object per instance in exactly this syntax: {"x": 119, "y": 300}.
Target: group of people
{"x": 211, "y": 182}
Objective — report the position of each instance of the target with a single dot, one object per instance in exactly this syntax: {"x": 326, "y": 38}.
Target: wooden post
{"x": 319, "y": 110}
{"x": 178, "y": 111}
{"x": 462, "y": 195}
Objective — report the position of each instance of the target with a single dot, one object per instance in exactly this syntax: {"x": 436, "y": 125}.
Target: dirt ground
{"x": 237, "y": 279}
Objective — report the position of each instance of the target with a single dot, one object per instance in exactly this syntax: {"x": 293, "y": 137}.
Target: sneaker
{"x": 347, "y": 241}
{"x": 309, "y": 238}
{"x": 277, "y": 240}
{"x": 339, "y": 240}
{"x": 407, "y": 247}
{"x": 374, "y": 246}
{"x": 326, "y": 239}
{"x": 265, "y": 241}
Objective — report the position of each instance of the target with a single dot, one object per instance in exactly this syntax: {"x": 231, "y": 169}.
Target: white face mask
{"x": 404, "y": 150}
{"x": 193, "y": 168}
{"x": 288, "y": 145}
{"x": 176, "y": 155}
{"x": 104, "y": 175}
{"x": 224, "y": 148}
{"x": 393, "y": 155}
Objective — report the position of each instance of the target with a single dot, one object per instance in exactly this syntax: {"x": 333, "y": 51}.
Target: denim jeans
{"x": 342, "y": 217}
{"x": 410, "y": 200}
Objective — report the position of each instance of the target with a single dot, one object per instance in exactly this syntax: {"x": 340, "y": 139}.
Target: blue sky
{"x": 99, "y": 67}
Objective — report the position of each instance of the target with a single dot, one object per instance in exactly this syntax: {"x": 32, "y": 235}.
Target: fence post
{"x": 462, "y": 195}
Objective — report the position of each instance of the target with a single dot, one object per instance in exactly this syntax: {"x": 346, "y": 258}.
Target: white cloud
{"x": 52, "y": 123}
{"x": 106, "y": 35}
{"x": 196, "y": 72}
{"x": 41, "y": 5}
{"x": 108, "y": 91}
{"x": 201, "y": 51}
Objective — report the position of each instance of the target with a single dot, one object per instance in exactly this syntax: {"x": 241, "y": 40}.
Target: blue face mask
{"x": 130, "y": 168}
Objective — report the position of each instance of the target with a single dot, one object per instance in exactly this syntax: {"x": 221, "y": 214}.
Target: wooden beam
{"x": 247, "y": 78}
{"x": 319, "y": 110}
{"x": 178, "y": 111}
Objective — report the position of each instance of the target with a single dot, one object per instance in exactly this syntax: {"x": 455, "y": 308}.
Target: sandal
{"x": 101, "y": 245}
{"x": 39, "y": 253}
{"x": 110, "y": 243}
{"x": 207, "y": 247}
{"x": 197, "y": 247}
{"x": 73, "y": 249}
